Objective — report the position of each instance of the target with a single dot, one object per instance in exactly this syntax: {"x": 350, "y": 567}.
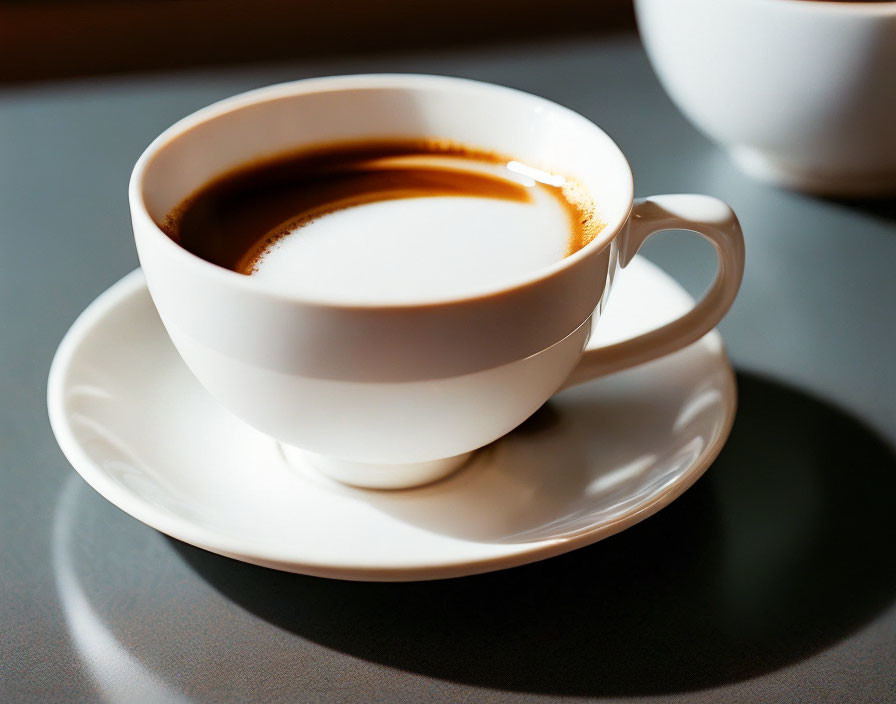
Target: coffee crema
{"x": 398, "y": 218}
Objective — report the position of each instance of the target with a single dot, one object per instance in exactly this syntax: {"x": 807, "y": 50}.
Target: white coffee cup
{"x": 391, "y": 395}
{"x": 802, "y": 93}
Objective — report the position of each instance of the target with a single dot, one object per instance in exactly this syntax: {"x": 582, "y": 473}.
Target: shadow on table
{"x": 783, "y": 548}
{"x": 882, "y": 208}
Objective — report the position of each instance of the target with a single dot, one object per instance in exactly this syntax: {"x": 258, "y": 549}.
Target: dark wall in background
{"x": 41, "y": 39}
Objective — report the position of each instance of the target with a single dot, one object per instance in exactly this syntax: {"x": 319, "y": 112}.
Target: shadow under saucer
{"x": 781, "y": 549}
{"x": 881, "y": 208}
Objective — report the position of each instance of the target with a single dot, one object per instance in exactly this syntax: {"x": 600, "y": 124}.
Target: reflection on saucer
{"x": 564, "y": 469}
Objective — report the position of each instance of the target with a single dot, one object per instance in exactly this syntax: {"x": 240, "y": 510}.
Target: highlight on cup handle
{"x": 706, "y": 216}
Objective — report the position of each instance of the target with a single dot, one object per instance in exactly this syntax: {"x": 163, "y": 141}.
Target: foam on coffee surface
{"x": 391, "y": 221}
{"x": 417, "y": 247}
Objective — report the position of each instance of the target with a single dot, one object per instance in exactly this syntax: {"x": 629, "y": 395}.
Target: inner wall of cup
{"x": 307, "y": 113}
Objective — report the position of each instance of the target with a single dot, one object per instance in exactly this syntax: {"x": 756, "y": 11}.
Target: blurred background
{"x": 41, "y": 39}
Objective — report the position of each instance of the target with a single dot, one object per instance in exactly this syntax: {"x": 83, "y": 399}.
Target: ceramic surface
{"x": 366, "y": 382}
{"x": 800, "y": 92}
{"x": 596, "y": 459}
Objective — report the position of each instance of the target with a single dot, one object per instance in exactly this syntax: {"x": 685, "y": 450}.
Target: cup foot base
{"x": 376, "y": 476}
{"x": 766, "y": 168}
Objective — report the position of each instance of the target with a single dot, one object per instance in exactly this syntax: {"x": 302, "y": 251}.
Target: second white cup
{"x": 802, "y": 93}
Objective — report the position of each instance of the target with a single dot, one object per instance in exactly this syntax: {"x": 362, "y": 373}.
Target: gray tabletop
{"x": 772, "y": 579}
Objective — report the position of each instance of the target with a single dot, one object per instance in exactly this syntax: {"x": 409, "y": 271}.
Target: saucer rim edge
{"x": 514, "y": 555}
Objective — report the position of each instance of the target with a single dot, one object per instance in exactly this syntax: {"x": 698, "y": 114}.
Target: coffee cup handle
{"x": 714, "y": 221}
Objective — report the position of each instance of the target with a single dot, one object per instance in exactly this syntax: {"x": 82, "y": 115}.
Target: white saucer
{"x": 595, "y": 460}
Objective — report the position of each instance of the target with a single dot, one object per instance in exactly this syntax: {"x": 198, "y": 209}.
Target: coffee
{"x": 393, "y": 219}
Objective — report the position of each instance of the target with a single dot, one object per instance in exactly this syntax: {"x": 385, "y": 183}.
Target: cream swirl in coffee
{"x": 393, "y": 220}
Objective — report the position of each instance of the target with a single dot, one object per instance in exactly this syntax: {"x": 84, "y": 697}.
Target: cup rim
{"x": 139, "y": 211}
